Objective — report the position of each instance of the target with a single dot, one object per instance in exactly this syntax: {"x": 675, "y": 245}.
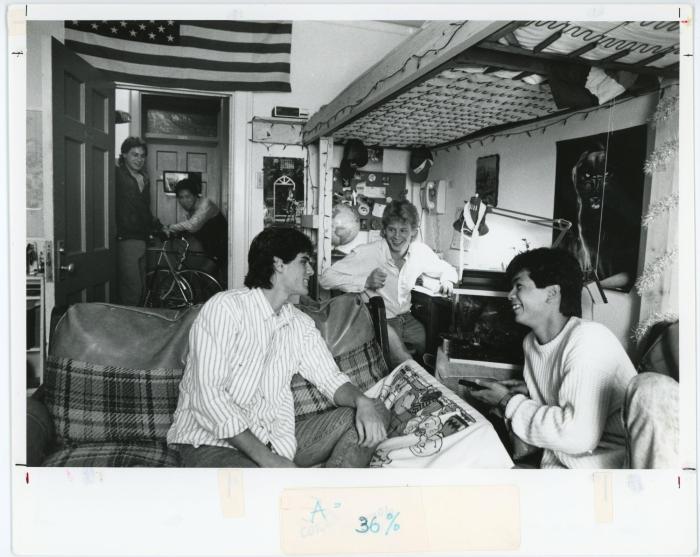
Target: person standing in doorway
{"x": 135, "y": 223}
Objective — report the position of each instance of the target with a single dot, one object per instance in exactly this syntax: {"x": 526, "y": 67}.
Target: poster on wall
{"x": 599, "y": 188}
{"x": 283, "y": 191}
{"x": 487, "y": 179}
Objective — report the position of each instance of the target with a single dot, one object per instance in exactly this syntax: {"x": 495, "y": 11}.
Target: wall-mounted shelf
{"x": 280, "y": 131}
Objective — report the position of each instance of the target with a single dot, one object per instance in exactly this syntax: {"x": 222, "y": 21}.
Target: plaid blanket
{"x": 363, "y": 365}
{"x": 90, "y": 402}
{"x": 102, "y": 455}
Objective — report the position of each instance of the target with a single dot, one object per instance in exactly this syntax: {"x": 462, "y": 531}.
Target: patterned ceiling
{"x": 504, "y": 80}
{"x": 454, "y": 103}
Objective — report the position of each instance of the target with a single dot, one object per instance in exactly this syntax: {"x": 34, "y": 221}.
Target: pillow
{"x": 96, "y": 455}
{"x": 90, "y": 402}
{"x": 363, "y": 365}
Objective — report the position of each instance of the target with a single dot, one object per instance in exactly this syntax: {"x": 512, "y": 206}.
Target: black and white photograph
{"x": 233, "y": 266}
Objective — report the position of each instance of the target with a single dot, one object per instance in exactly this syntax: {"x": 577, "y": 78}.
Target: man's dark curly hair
{"x": 190, "y": 185}
{"x": 129, "y": 143}
{"x": 285, "y": 243}
{"x": 549, "y": 266}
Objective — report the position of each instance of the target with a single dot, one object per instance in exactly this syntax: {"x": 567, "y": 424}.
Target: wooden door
{"x": 83, "y": 166}
{"x": 180, "y": 157}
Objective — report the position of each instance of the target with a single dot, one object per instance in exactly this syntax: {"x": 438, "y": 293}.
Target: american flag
{"x": 202, "y": 55}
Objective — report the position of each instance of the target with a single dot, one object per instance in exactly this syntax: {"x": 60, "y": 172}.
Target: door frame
{"x": 237, "y": 149}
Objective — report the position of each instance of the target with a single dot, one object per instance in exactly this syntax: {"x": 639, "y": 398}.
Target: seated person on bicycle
{"x": 205, "y": 223}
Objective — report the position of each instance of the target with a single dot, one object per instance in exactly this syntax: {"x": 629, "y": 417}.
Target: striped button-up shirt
{"x": 242, "y": 356}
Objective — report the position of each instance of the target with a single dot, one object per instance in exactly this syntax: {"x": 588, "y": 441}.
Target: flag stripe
{"x": 192, "y": 73}
{"x": 242, "y": 26}
{"x": 232, "y": 37}
{"x": 95, "y": 51}
{"x": 223, "y": 46}
{"x": 198, "y": 85}
{"x": 76, "y": 37}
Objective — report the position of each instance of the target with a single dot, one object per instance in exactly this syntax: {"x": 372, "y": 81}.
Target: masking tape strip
{"x": 16, "y": 21}
{"x": 231, "y": 493}
{"x": 393, "y": 519}
{"x": 602, "y": 497}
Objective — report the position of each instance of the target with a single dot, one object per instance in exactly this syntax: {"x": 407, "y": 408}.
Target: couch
{"x": 113, "y": 372}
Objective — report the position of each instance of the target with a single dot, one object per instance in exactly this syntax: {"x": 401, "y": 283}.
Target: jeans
{"x": 330, "y": 437}
{"x": 411, "y": 333}
{"x": 131, "y": 266}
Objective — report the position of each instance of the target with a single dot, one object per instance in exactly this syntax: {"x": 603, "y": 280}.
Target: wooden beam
{"x": 514, "y": 62}
{"x": 431, "y": 47}
{"x": 655, "y": 57}
{"x": 511, "y": 39}
{"x": 507, "y": 32}
{"x": 579, "y": 51}
{"x": 614, "y": 57}
{"x": 549, "y": 40}
{"x": 609, "y": 65}
{"x": 522, "y": 75}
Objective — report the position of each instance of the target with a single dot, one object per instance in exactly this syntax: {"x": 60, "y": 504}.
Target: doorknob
{"x": 60, "y": 253}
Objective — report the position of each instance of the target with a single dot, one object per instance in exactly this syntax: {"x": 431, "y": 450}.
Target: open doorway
{"x": 186, "y": 136}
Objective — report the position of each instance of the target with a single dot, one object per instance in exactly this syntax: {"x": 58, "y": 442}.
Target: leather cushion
{"x": 90, "y": 402}
{"x": 122, "y": 336}
{"x": 344, "y": 321}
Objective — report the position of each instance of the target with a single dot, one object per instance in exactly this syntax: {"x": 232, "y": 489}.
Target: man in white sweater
{"x": 575, "y": 371}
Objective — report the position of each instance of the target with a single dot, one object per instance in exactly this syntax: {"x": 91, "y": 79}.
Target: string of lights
{"x": 401, "y": 69}
{"x": 530, "y": 131}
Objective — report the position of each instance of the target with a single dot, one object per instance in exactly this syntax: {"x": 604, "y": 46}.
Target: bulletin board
{"x": 369, "y": 191}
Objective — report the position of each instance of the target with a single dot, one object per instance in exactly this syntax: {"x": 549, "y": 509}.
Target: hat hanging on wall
{"x": 354, "y": 156}
{"x": 419, "y": 164}
{"x": 472, "y": 217}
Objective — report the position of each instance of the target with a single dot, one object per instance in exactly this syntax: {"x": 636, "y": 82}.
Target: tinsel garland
{"x": 641, "y": 330}
{"x": 659, "y": 208}
{"x": 654, "y": 270}
{"x": 661, "y": 156}
{"x": 666, "y": 107}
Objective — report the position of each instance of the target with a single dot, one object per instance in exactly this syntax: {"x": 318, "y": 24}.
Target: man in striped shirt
{"x": 576, "y": 371}
{"x": 235, "y": 407}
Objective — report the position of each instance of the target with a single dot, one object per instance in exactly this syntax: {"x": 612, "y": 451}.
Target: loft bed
{"x": 459, "y": 81}
{"x": 456, "y": 80}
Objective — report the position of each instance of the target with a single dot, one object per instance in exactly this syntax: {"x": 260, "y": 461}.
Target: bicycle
{"x": 170, "y": 285}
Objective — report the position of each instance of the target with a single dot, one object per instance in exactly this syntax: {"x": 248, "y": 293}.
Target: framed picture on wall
{"x": 283, "y": 190}
{"x": 172, "y": 177}
{"x": 487, "y": 179}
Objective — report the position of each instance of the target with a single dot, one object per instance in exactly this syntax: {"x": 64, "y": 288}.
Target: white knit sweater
{"x": 577, "y": 385}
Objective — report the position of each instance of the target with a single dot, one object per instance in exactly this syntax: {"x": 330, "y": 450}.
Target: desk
{"x": 434, "y": 311}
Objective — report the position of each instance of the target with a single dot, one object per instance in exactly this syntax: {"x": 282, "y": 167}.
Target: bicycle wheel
{"x": 164, "y": 291}
{"x": 203, "y": 285}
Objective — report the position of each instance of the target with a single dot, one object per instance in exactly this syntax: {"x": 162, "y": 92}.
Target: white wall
{"x": 326, "y": 57}
{"x": 526, "y": 180}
